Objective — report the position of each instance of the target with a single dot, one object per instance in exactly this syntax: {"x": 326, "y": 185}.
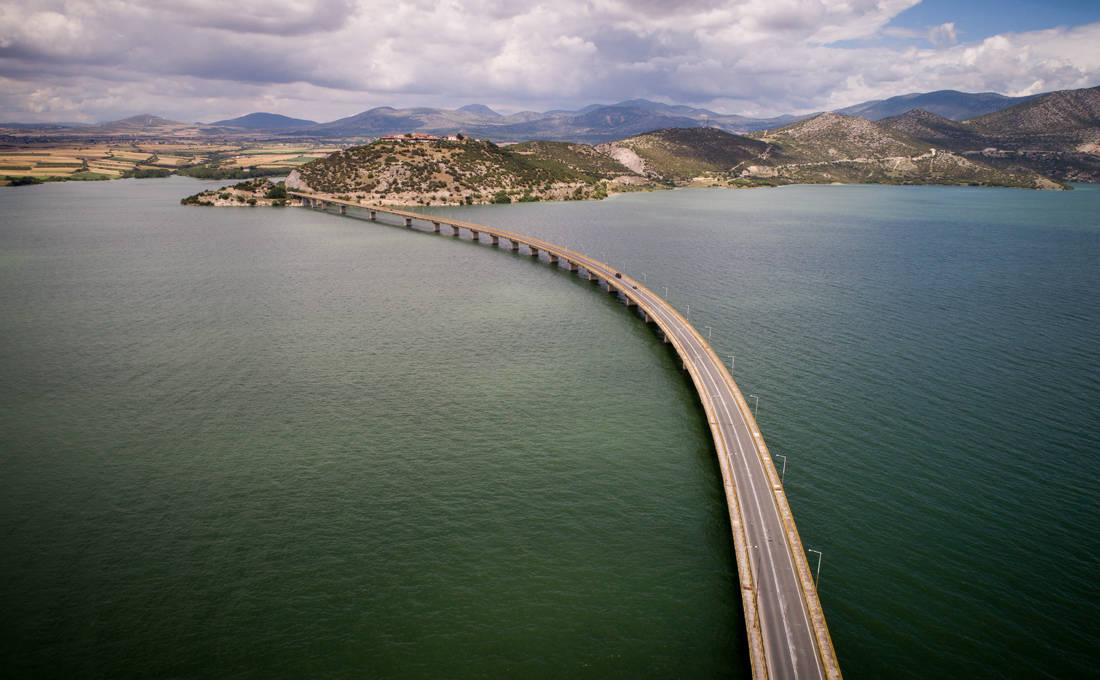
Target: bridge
{"x": 787, "y": 634}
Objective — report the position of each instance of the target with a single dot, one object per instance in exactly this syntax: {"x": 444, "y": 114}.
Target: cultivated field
{"x": 73, "y": 161}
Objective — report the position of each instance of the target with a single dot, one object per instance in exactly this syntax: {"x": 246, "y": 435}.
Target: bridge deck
{"x": 787, "y": 634}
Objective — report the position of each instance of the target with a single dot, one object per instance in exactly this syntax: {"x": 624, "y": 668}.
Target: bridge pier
{"x": 553, "y": 259}
{"x": 373, "y": 215}
{"x": 408, "y": 221}
{"x": 474, "y": 236}
{"x": 435, "y": 227}
{"x": 574, "y": 267}
{"x": 496, "y": 240}
{"x": 454, "y": 231}
{"x": 343, "y": 209}
{"x": 534, "y": 251}
{"x": 515, "y": 245}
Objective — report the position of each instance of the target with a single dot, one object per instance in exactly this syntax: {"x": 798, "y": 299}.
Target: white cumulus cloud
{"x": 208, "y": 59}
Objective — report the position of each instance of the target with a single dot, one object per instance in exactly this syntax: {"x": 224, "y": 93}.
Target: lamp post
{"x": 689, "y": 314}
{"x": 733, "y": 359}
{"x": 757, "y": 409}
{"x": 817, "y": 576}
{"x": 782, "y": 475}
{"x": 666, "y": 292}
{"x": 643, "y": 278}
{"x": 709, "y": 331}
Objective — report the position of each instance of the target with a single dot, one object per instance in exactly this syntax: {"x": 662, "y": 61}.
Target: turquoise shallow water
{"x": 274, "y": 442}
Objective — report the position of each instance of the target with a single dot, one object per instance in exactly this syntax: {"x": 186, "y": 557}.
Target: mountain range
{"x": 591, "y": 124}
{"x": 950, "y": 104}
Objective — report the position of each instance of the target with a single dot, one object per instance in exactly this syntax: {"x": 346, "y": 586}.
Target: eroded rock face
{"x": 625, "y": 156}
{"x": 295, "y": 182}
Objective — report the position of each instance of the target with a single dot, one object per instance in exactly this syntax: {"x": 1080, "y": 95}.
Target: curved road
{"x": 786, "y": 628}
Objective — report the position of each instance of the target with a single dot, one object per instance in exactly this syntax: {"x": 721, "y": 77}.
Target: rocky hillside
{"x": 1065, "y": 113}
{"x": 1056, "y": 134}
{"x": 935, "y": 130}
{"x": 579, "y": 158}
{"x": 459, "y": 172}
{"x": 835, "y": 148}
{"x": 831, "y": 136}
{"x": 680, "y": 155}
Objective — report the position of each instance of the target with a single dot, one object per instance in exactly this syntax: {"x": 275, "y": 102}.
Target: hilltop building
{"x": 422, "y": 137}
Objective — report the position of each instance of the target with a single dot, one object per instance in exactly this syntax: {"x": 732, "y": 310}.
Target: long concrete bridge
{"x": 787, "y": 634}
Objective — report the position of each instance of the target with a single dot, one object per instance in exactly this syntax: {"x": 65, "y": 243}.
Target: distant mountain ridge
{"x": 265, "y": 121}
{"x": 950, "y": 104}
{"x": 592, "y": 124}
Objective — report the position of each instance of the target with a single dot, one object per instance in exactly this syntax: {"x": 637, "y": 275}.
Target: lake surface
{"x": 279, "y": 443}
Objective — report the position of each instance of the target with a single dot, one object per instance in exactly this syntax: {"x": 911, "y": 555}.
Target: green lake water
{"x": 280, "y": 443}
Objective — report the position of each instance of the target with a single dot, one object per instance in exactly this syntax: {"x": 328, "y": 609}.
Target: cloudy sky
{"x": 203, "y": 60}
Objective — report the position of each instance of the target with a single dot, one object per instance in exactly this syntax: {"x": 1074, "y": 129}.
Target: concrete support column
{"x": 454, "y": 230}
{"x": 553, "y": 259}
{"x": 474, "y": 236}
{"x": 373, "y": 215}
{"x": 515, "y": 246}
{"x": 496, "y": 240}
{"x": 343, "y": 209}
{"x": 645, "y": 317}
{"x": 408, "y": 221}
{"x": 630, "y": 303}
{"x": 435, "y": 227}
{"x": 534, "y": 251}
{"x": 574, "y": 267}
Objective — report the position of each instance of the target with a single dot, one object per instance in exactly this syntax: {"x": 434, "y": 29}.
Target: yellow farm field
{"x": 63, "y": 160}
